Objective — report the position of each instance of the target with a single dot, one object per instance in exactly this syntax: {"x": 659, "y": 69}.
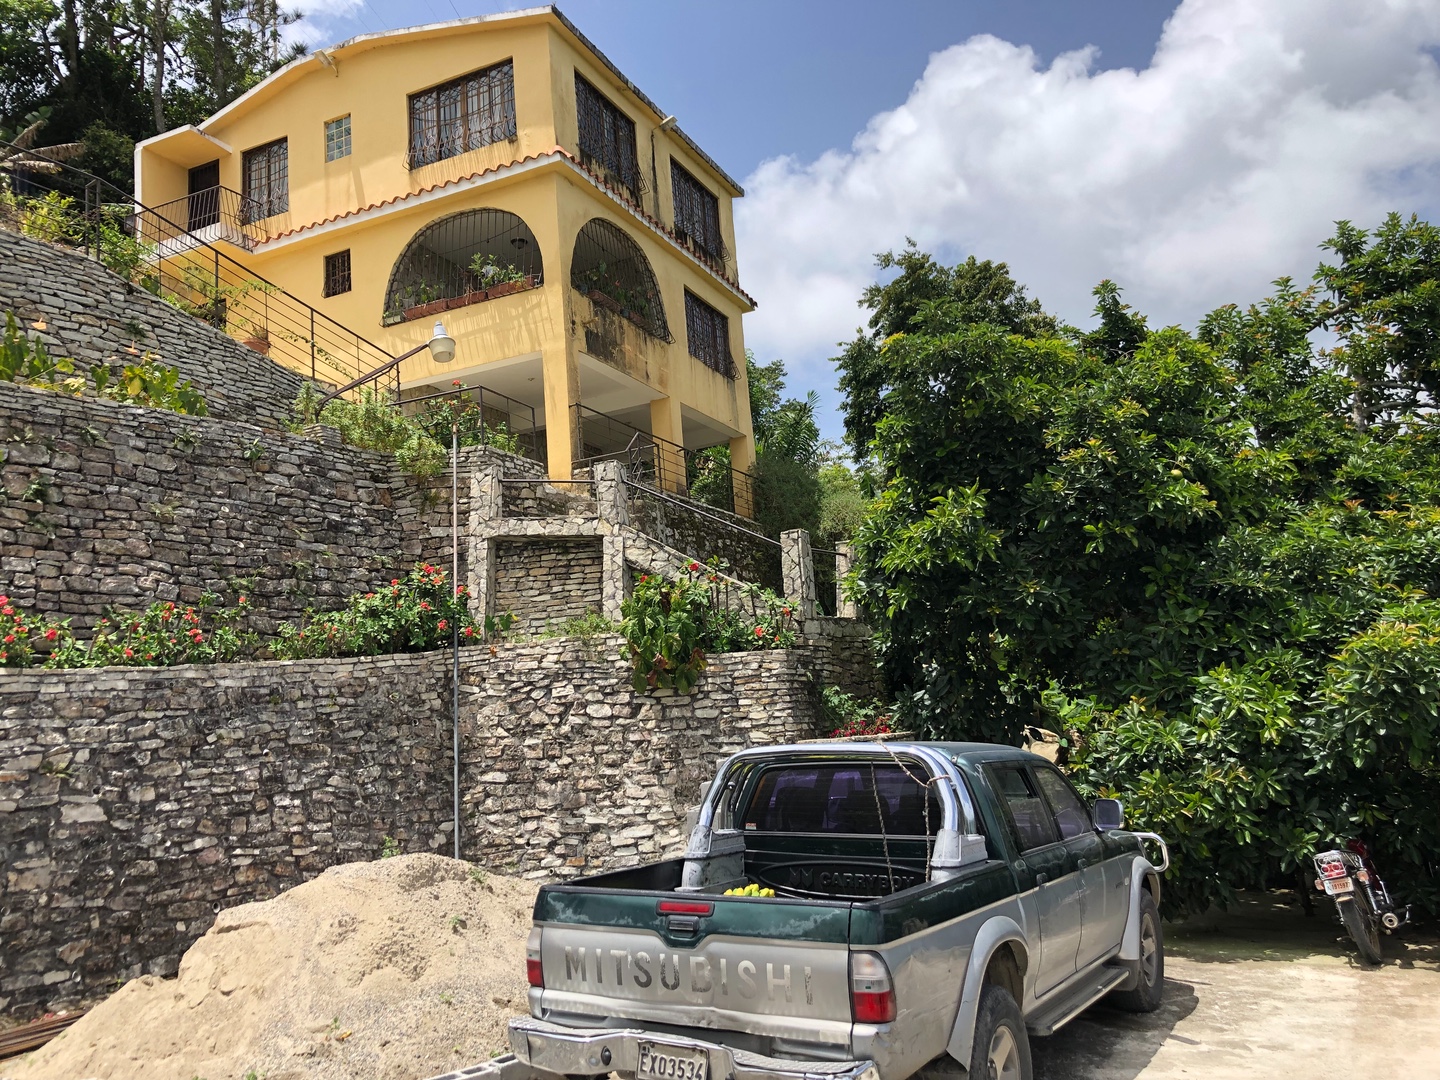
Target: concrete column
{"x": 562, "y": 390}
{"x": 610, "y": 500}
{"x": 742, "y": 460}
{"x": 797, "y": 571}
{"x": 486, "y": 507}
{"x": 666, "y": 423}
{"x": 845, "y": 609}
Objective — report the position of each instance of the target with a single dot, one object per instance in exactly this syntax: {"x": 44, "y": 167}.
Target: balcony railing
{"x": 216, "y": 213}
{"x": 703, "y": 477}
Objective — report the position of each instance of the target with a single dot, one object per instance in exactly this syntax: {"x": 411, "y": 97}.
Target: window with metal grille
{"x": 607, "y": 137}
{"x": 464, "y": 114}
{"x": 337, "y": 138}
{"x": 461, "y": 255}
{"x": 609, "y": 267}
{"x": 337, "y": 273}
{"x": 708, "y": 334}
{"x": 266, "y": 183}
{"x": 697, "y": 212}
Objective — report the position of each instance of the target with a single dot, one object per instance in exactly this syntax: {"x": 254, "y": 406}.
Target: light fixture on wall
{"x": 441, "y": 345}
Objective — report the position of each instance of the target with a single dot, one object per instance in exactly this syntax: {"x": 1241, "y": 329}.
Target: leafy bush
{"x": 149, "y": 383}
{"x": 490, "y": 272}
{"x": 465, "y": 413}
{"x": 163, "y": 635}
{"x": 373, "y": 423}
{"x": 20, "y": 632}
{"x": 849, "y": 716}
{"x": 670, "y": 625}
{"x": 411, "y": 614}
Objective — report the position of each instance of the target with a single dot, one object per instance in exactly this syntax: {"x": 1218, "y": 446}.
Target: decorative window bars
{"x": 464, "y": 114}
{"x": 337, "y": 138}
{"x": 707, "y": 332}
{"x": 607, "y": 138}
{"x": 337, "y": 273}
{"x": 697, "y": 213}
{"x": 462, "y": 259}
{"x": 266, "y": 173}
{"x": 609, "y": 267}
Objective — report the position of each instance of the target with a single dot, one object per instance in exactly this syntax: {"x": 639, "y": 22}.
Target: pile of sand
{"x": 402, "y": 968}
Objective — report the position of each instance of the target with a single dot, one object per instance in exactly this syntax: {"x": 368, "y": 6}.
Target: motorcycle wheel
{"x": 1362, "y": 925}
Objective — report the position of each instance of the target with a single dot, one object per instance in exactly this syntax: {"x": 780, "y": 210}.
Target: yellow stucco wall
{"x": 371, "y": 81}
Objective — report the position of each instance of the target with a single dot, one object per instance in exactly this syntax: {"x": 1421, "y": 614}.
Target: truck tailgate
{"x": 770, "y": 967}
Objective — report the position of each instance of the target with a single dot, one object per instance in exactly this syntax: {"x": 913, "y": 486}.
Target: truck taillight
{"x": 872, "y": 995}
{"x": 533, "y": 970}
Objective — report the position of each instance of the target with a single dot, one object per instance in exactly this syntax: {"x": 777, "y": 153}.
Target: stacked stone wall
{"x": 703, "y": 531}
{"x": 82, "y": 310}
{"x": 844, "y": 656}
{"x": 136, "y": 803}
{"x": 544, "y": 582}
{"x": 108, "y": 504}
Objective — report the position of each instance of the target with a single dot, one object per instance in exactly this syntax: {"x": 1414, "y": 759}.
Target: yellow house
{"x": 500, "y": 174}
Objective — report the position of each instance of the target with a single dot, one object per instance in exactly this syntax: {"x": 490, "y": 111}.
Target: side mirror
{"x": 1109, "y": 814}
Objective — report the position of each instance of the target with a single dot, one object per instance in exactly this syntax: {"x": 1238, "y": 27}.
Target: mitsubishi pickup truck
{"x": 850, "y": 911}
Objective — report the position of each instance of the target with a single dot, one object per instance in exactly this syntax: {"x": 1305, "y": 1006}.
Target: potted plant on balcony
{"x": 426, "y": 299}
{"x": 248, "y": 318}
{"x": 496, "y": 279}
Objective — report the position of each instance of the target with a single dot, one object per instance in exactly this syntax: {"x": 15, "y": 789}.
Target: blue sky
{"x": 1191, "y": 150}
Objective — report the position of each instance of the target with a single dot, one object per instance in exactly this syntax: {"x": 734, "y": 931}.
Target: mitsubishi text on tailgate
{"x": 850, "y": 911}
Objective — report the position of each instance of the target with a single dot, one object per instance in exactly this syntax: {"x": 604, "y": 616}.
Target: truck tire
{"x": 1002, "y": 1047}
{"x": 1150, "y": 981}
{"x": 1361, "y": 925}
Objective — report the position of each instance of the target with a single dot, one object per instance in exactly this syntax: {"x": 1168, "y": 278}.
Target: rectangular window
{"x": 856, "y": 798}
{"x": 607, "y": 137}
{"x": 697, "y": 212}
{"x": 337, "y": 273}
{"x": 464, "y": 114}
{"x": 337, "y": 138}
{"x": 266, "y": 184}
{"x": 708, "y": 333}
{"x": 1028, "y": 813}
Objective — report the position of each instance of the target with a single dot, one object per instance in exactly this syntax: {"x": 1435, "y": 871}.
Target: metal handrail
{"x": 693, "y": 507}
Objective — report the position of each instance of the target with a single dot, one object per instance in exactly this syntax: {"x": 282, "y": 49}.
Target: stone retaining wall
{"x": 92, "y": 315}
{"x": 113, "y": 504}
{"x": 135, "y": 803}
{"x": 544, "y": 582}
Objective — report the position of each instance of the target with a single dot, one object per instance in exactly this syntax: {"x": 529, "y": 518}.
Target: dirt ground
{"x": 1262, "y": 992}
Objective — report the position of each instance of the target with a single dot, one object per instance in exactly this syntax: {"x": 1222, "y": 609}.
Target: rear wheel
{"x": 1363, "y": 927}
{"x": 1150, "y": 984}
{"x": 1002, "y": 1048}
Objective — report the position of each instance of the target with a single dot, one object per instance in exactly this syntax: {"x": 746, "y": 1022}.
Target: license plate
{"x": 659, "y": 1062}
{"x": 1339, "y": 885}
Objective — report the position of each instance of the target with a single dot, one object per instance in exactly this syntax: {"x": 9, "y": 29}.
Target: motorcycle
{"x": 1362, "y": 902}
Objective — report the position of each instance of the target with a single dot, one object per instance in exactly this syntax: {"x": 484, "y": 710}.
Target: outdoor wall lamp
{"x": 442, "y": 351}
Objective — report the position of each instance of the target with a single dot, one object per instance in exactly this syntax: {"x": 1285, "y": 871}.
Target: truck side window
{"x": 1034, "y": 827}
{"x": 1071, "y": 817}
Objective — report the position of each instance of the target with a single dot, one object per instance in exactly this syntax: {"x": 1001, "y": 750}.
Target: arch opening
{"x": 461, "y": 259}
{"x": 609, "y": 267}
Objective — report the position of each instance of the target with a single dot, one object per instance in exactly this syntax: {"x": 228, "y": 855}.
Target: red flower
{"x": 442, "y": 624}
{"x": 7, "y": 611}
{"x": 242, "y": 600}
{"x": 759, "y": 631}
{"x": 51, "y": 634}
{"x": 469, "y": 631}
{"x": 644, "y": 578}
{"x": 785, "y": 611}
{"x": 369, "y": 596}
{"x": 9, "y": 639}
{"x": 394, "y": 581}
{"x": 4, "y": 599}
{"x": 694, "y": 566}
{"x": 129, "y": 653}
{"x": 424, "y": 605}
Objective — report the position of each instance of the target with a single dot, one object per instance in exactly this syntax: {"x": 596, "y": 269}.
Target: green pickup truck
{"x": 920, "y": 906}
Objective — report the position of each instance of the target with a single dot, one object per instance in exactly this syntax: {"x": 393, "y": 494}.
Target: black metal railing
{"x": 80, "y": 210}
{"x": 218, "y": 212}
{"x": 702, "y": 477}
{"x": 484, "y": 417}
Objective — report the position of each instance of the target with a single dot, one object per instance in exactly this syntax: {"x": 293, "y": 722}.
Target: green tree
{"x": 1194, "y": 554}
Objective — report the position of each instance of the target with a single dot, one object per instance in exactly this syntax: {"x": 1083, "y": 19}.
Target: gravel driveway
{"x": 1260, "y": 992}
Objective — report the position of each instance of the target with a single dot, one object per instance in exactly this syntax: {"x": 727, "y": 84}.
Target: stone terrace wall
{"x": 543, "y": 582}
{"x": 697, "y": 533}
{"x": 135, "y": 803}
{"x": 569, "y": 770}
{"x": 844, "y": 655}
{"x": 92, "y": 315}
{"x": 128, "y": 505}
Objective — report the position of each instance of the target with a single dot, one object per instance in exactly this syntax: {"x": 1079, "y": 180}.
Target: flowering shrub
{"x": 853, "y": 717}
{"x": 411, "y": 614}
{"x": 671, "y": 625}
{"x": 162, "y": 635}
{"x": 21, "y": 633}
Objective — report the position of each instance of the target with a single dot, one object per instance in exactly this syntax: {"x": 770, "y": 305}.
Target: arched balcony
{"x": 613, "y": 272}
{"x": 462, "y": 259}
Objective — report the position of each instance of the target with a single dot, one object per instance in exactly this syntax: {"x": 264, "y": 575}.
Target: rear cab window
{"x": 851, "y": 798}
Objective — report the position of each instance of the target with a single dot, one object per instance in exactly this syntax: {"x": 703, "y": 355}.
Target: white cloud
{"x": 1192, "y": 183}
